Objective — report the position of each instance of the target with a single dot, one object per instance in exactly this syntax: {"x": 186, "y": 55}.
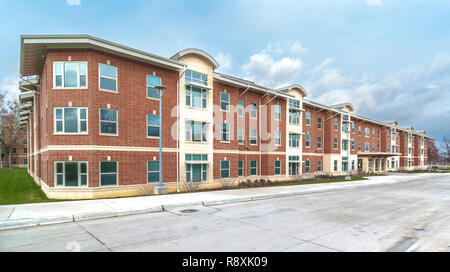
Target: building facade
{"x": 91, "y": 109}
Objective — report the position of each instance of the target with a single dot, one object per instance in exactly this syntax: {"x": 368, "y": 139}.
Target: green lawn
{"x": 17, "y": 187}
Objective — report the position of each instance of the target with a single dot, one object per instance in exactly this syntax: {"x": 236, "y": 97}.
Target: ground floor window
{"x": 294, "y": 165}
{"x": 382, "y": 165}
{"x": 152, "y": 171}
{"x": 196, "y": 167}
{"x": 335, "y": 165}
{"x": 376, "y": 165}
{"x": 25, "y": 161}
{"x": 370, "y": 165}
{"x": 319, "y": 165}
{"x": 277, "y": 167}
{"x": 108, "y": 173}
{"x": 253, "y": 168}
{"x": 240, "y": 168}
{"x": 307, "y": 166}
{"x": 344, "y": 164}
{"x": 225, "y": 169}
{"x": 71, "y": 173}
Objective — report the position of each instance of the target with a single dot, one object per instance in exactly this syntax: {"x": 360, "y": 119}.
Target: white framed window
{"x": 277, "y": 167}
{"x": 253, "y": 168}
{"x": 307, "y": 118}
{"x": 253, "y": 111}
{"x": 278, "y": 112}
{"x": 241, "y": 136}
{"x": 225, "y": 133}
{"x": 196, "y": 131}
{"x": 70, "y": 120}
{"x": 353, "y": 144}
{"x": 367, "y": 146}
{"x": 224, "y": 101}
{"x": 152, "y": 171}
{"x": 253, "y": 136}
{"x": 70, "y": 75}
{"x": 367, "y": 132}
{"x": 307, "y": 140}
{"x": 240, "y": 168}
{"x": 225, "y": 169}
{"x": 153, "y": 81}
{"x": 319, "y": 142}
{"x": 108, "y": 122}
{"x": 196, "y": 167}
{"x": 294, "y": 140}
{"x": 335, "y": 142}
{"x": 319, "y": 123}
{"x": 195, "y": 77}
{"x": 277, "y": 137}
{"x": 107, "y": 77}
{"x": 196, "y": 97}
{"x": 294, "y": 111}
{"x": 240, "y": 108}
{"x": 335, "y": 165}
{"x": 153, "y": 126}
{"x": 307, "y": 166}
{"x": 71, "y": 173}
{"x": 335, "y": 124}
{"x": 319, "y": 165}
{"x": 109, "y": 173}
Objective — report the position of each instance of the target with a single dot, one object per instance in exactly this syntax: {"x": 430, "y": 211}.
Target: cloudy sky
{"x": 389, "y": 58}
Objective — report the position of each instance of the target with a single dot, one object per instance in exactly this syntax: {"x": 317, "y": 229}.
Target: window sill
{"x": 70, "y": 88}
{"x": 108, "y": 91}
{"x": 68, "y": 134}
{"x": 106, "y": 134}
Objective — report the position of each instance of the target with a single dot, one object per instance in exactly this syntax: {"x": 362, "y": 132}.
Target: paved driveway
{"x": 408, "y": 216}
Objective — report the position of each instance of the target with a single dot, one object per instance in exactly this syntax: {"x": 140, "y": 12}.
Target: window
{"x": 319, "y": 165}
{"x": 25, "y": 141}
{"x": 196, "y": 131}
{"x": 253, "y": 137}
{"x": 153, "y": 125}
{"x": 152, "y": 171}
{"x": 240, "y": 108}
{"x": 70, "y": 120}
{"x": 253, "y": 110}
{"x": 194, "y": 77}
{"x": 353, "y": 144}
{"x": 108, "y": 121}
{"x": 107, "y": 77}
{"x": 25, "y": 150}
{"x": 278, "y": 112}
{"x": 379, "y": 134}
{"x": 224, "y": 101}
{"x": 335, "y": 142}
{"x": 307, "y": 166}
{"x": 344, "y": 144}
{"x": 367, "y": 132}
{"x": 153, "y": 81}
{"x": 307, "y": 118}
{"x": 319, "y": 123}
{"x": 225, "y": 135}
{"x": 353, "y": 128}
{"x": 277, "y": 167}
{"x": 196, "y": 97}
{"x": 359, "y": 146}
{"x": 359, "y": 130}
{"x": 14, "y": 161}
{"x": 108, "y": 173}
{"x": 71, "y": 173}
{"x": 224, "y": 169}
{"x": 14, "y": 150}
{"x": 378, "y": 147}
{"x": 319, "y": 142}
{"x": 294, "y": 139}
{"x": 240, "y": 168}
{"x": 373, "y": 147}
{"x": 367, "y": 147}
{"x": 294, "y": 112}
{"x": 373, "y": 133}
{"x": 240, "y": 136}
{"x": 253, "y": 165}
{"x": 335, "y": 165}
{"x": 25, "y": 161}
{"x": 307, "y": 140}
{"x": 70, "y": 74}
{"x": 196, "y": 167}
{"x": 277, "y": 137}
{"x": 335, "y": 124}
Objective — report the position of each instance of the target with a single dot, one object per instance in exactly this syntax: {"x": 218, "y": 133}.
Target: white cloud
{"x": 297, "y": 47}
{"x": 10, "y": 87}
{"x": 266, "y": 70}
{"x": 224, "y": 61}
{"x": 373, "y": 2}
{"x": 73, "y": 2}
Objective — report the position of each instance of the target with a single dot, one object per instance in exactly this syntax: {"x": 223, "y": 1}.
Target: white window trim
{"x": 221, "y": 133}
{"x": 307, "y": 119}
{"x": 307, "y": 142}
{"x": 243, "y": 108}
{"x": 62, "y": 76}
{"x": 201, "y": 131}
{"x": 250, "y": 168}
{"x": 79, "y": 121}
{"x": 55, "y": 177}
{"x": 148, "y": 171}
{"x": 250, "y": 111}
{"x": 222, "y": 169}
{"x": 147, "y": 125}
{"x": 116, "y": 79}
{"x": 274, "y": 168}
{"x": 201, "y": 99}
{"x": 243, "y": 136}
{"x": 147, "y": 86}
{"x": 100, "y": 174}
{"x": 277, "y": 137}
{"x": 277, "y": 112}
{"x": 228, "y": 102}
{"x": 100, "y": 121}
{"x": 250, "y": 136}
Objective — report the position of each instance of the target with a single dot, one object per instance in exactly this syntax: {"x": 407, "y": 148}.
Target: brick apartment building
{"x": 92, "y": 115}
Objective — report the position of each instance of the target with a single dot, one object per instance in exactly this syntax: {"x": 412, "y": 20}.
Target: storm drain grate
{"x": 189, "y": 211}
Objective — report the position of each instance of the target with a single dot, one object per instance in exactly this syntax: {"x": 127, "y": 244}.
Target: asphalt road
{"x": 407, "y": 216}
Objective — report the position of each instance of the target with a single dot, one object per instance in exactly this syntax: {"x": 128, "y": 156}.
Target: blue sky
{"x": 389, "y": 58}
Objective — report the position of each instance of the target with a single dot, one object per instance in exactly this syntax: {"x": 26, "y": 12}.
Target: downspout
{"x": 178, "y": 127}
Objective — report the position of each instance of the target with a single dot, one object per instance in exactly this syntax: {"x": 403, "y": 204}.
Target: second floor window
{"x": 278, "y": 112}
{"x": 225, "y": 133}
{"x": 241, "y": 108}
{"x": 335, "y": 143}
{"x": 108, "y": 121}
{"x": 253, "y": 137}
{"x": 307, "y": 140}
{"x": 107, "y": 77}
{"x": 70, "y": 120}
{"x": 319, "y": 142}
{"x": 70, "y": 74}
{"x": 319, "y": 123}
{"x": 196, "y": 131}
{"x": 277, "y": 137}
{"x": 196, "y": 97}
{"x": 253, "y": 110}
{"x": 294, "y": 139}
{"x": 240, "y": 135}
{"x": 335, "y": 123}
{"x": 153, "y": 125}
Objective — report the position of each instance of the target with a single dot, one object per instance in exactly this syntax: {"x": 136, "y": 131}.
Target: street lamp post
{"x": 160, "y": 188}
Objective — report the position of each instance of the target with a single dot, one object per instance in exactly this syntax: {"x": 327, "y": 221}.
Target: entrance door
{"x": 293, "y": 168}
{"x": 196, "y": 172}
{"x": 359, "y": 164}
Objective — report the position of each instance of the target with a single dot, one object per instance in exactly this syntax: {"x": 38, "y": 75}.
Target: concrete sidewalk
{"x": 27, "y": 215}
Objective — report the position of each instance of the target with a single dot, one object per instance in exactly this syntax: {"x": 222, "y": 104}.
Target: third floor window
{"x": 70, "y": 74}
{"x": 107, "y": 77}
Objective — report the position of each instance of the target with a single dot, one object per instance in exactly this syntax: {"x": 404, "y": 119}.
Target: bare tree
{"x": 433, "y": 153}
{"x": 446, "y": 145}
{"x": 11, "y": 133}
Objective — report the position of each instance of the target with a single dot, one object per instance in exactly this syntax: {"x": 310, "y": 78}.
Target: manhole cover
{"x": 189, "y": 211}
